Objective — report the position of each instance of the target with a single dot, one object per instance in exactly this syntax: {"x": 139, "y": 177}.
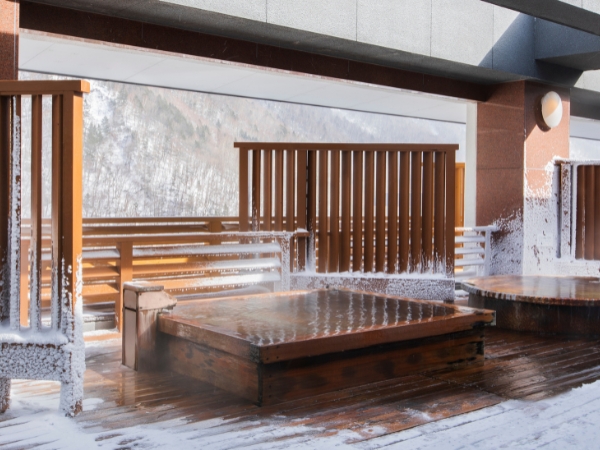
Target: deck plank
{"x": 517, "y": 366}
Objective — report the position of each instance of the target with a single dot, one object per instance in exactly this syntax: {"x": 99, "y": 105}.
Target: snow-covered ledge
{"x": 413, "y": 285}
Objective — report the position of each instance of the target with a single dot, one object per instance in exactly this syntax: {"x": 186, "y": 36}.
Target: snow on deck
{"x": 531, "y": 393}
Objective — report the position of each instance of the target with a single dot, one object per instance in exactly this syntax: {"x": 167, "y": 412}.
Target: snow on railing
{"x": 473, "y": 252}
{"x": 30, "y": 350}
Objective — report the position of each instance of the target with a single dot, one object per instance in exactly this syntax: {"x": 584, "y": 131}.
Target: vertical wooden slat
{"x": 125, "y": 276}
{"x": 290, "y": 225}
{"x": 596, "y": 213}
{"x": 72, "y": 187}
{"x": 346, "y": 206}
{"x": 5, "y": 120}
{"x": 301, "y": 211}
{"x": 589, "y": 212}
{"x": 14, "y": 256}
{"x": 369, "y": 204}
{"x": 450, "y": 212}
{"x": 24, "y": 282}
{"x": 35, "y": 250}
{"x": 392, "y": 238}
{"x": 57, "y": 201}
{"x": 427, "y": 224}
{"x": 323, "y": 204}
{"x": 243, "y": 189}
{"x": 580, "y": 225}
{"x": 334, "y": 212}
{"x": 279, "y": 176}
{"x": 439, "y": 203}
{"x": 357, "y": 211}
{"x": 460, "y": 195}
{"x": 290, "y": 182}
{"x": 311, "y": 208}
{"x": 380, "y": 204}
{"x": 267, "y": 190}
{"x": 415, "y": 212}
{"x": 256, "y": 190}
{"x": 404, "y": 213}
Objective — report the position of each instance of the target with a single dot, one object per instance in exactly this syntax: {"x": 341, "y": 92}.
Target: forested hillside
{"x": 162, "y": 152}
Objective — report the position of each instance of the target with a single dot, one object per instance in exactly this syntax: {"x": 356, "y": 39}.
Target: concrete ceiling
{"x": 40, "y": 52}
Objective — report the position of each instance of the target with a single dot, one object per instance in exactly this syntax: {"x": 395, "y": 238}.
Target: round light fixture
{"x": 552, "y": 109}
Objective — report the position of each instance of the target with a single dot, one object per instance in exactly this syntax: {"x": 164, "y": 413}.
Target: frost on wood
{"x": 14, "y": 224}
{"x": 423, "y": 287}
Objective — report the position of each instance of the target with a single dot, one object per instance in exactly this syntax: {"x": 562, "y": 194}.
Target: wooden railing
{"x": 367, "y": 207}
{"x": 54, "y": 353}
{"x": 473, "y": 252}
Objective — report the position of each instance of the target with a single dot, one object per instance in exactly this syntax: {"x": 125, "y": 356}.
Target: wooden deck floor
{"x": 517, "y": 366}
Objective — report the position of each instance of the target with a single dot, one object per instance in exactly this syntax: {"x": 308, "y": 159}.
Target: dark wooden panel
{"x": 243, "y": 190}
{"x": 291, "y": 380}
{"x": 221, "y": 369}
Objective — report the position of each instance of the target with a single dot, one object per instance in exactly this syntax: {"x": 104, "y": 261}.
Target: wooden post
{"x": 35, "y": 290}
{"x": 279, "y": 175}
{"x": 369, "y": 194}
{"x": 580, "y": 225}
{"x": 450, "y": 211}
{"x": 57, "y": 202}
{"x": 243, "y": 189}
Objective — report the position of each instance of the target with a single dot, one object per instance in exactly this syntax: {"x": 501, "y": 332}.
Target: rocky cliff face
{"x": 163, "y": 152}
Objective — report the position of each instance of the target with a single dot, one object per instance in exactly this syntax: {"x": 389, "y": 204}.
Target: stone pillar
{"x": 514, "y": 175}
{"x": 9, "y": 39}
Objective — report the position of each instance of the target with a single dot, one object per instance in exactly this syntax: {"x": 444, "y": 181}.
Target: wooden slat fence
{"x": 52, "y": 355}
{"x": 367, "y": 207}
{"x": 578, "y": 212}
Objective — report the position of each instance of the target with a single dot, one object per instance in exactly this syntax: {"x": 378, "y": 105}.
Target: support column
{"x": 514, "y": 176}
{"x": 9, "y": 39}
{"x": 471, "y": 166}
